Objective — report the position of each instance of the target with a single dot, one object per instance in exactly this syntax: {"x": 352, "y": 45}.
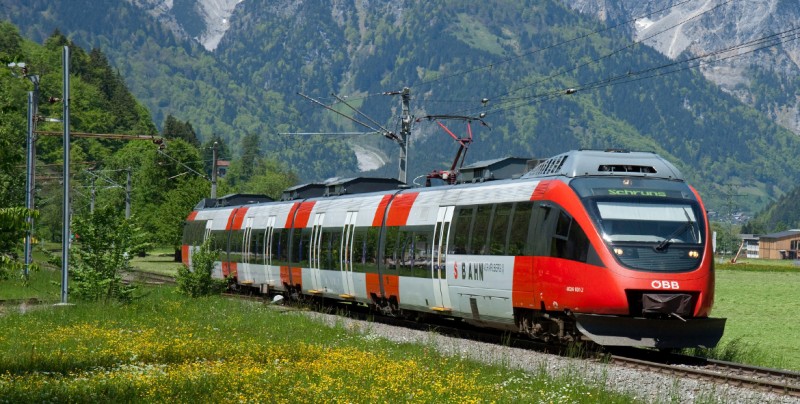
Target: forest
{"x": 169, "y": 171}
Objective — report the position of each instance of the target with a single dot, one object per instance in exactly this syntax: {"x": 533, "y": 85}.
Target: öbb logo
{"x": 665, "y": 284}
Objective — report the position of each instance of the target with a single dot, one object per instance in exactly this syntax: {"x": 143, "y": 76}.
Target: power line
{"x": 761, "y": 43}
{"x": 492, "y": 65}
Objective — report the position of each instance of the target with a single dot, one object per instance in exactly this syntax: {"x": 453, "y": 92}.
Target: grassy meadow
{"x": 166, "y": 347}
{"x": 763, "y": 312}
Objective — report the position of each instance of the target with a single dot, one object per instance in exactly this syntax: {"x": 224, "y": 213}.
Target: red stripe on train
{"x": 185, "y": 254}
{"x": 301, "y": 212}
{"x": 391, "y": 285}
{"x": 229, "y": 269}
{"x": 400, "y": 208}
{"x": 381, "y": 211}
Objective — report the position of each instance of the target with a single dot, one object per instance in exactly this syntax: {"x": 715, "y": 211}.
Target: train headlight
{"x": 618, "y": 251}
{"x": 694, "y": 254}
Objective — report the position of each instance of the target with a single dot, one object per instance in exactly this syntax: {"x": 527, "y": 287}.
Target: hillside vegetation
{"x": 166, "y": 180}
{"x": 522, "y": 56}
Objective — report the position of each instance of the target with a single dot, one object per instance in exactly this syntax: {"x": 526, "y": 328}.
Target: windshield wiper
{"x": 667, "y": 241}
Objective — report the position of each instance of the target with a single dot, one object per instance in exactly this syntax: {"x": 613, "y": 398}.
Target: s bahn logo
{"x": 473, "y": 271}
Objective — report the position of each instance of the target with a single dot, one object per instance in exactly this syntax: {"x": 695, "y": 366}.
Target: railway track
{"x": 775, "y": 381}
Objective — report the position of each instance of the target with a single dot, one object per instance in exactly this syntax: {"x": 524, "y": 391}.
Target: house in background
{"x": 749, "y": 246}
{"x": 782, "y": 245}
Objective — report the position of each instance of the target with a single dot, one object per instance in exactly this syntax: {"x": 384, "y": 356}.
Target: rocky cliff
{"x": 679, "y": 29}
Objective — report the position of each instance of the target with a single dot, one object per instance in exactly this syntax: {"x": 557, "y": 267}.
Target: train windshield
{"x": 649, "y": 224}
{"x": 658, "y": 223}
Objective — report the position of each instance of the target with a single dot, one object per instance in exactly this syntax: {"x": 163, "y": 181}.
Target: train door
{"x": 346, "y": 256}
{"x": 207, "y": 233}
{"x": 246, "y": 275}
{"x": 441, "y": 232}
{"x": 315, "y": 251}
{"x": 217, "y": 271}
{"x": 268, "y": 258}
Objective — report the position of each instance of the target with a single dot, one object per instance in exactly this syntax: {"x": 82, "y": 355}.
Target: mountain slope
{"x": 520, "y": 55}
{"x": 768, "y": 79}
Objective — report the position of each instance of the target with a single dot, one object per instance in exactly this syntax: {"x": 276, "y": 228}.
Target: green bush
{"x": 198, "y": 281}
{"x": 101, "y": 251}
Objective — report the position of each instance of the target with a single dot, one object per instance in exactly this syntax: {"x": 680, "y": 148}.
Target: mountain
{"x": 522, "y": 56}
{"x": 768, "y": 79}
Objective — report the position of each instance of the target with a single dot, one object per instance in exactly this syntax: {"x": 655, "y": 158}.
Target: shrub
{"x": 198, "y": 281}
{"x": 100, "y": 253}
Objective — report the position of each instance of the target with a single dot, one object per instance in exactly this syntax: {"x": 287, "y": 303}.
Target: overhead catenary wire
{"x": 493, "y": 64}
{"x": 610, "y": 54}
{"x": 506, "y": 103}
{"x": 762, "y": 43}
{"x": 502, "y": 99}
{"x": 182, "y": 164}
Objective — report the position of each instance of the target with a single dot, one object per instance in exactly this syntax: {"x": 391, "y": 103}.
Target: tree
{"x": 13, "y": 226}
{"x": 177, "y": 205}
{"x": 175, "y": 129}
{"x": 103, "y": 243}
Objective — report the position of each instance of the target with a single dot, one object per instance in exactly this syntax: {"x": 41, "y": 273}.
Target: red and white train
{"x": 612, "y": 246}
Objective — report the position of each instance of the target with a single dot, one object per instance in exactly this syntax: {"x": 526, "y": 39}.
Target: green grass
{"x": 158, "y": 262}
{"x": 166, "y": 347}
{"x": 763, "y": 312}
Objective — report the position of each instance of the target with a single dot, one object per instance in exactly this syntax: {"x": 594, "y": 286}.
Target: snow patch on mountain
{"x": 216, "y": 14}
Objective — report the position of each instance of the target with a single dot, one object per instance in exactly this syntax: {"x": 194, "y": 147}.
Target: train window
{"x": 330, "y": 244}
{"x": 365, "y": 242}
{"x": 199, "y": 232}
{"x": 257, "y": 237}
{"x": 542, "y": 228}
{"x": 220, "y": 238}
{"x": 421, "y": 247}
{"x": 390, "y": 248}
{"x": 480, "y": 230}
{"x": 300, "y": 245}
{"x": 518, "y": 234}
{"x": 499, "y": 233}
{"x": 414, "y": 251}
{"x": 279, "y": 247}
{"x": 405, "y": 251}
{"x": 193, "y": 232}
{"x": 462, "y": 221}
{"x": 569, "y": 240}
{"x": 236, "y": 246}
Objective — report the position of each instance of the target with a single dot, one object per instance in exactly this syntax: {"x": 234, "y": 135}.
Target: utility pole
{"x": 128, "y": 195}
{"x": 91, "y": 204}
{"x": 405, "y": 131}
{"x": 214, "y": 172}
{"x": 33, "y": 107}
{"x": 33, "y": 112}
{"x": 65, "y": 233}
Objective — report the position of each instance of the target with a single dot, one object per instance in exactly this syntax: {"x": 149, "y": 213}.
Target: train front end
{"x": 651, "y": 236}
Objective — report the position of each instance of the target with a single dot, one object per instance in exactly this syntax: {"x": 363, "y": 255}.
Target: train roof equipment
{"x": 304, "y": 191}
{"x": 360, "y": 185}
{"x": 495, "y": 169}
{"x": 611, "y": 162}
{"x": 232, "y": 200}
